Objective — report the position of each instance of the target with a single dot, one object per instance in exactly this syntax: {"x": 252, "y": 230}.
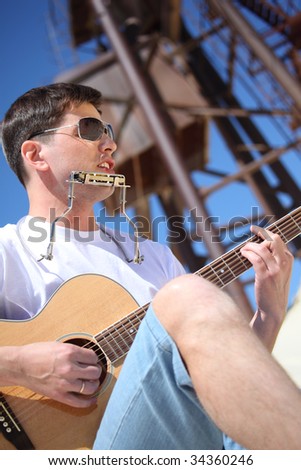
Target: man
{"x": 43, "y": 162}
{"x": 213, "y": 357}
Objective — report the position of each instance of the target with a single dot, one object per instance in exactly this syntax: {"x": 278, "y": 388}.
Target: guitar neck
{"x": 117, "y": 339}
{"x": 231, "y": 265}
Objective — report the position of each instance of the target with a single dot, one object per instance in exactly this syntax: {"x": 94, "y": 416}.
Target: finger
{"x": 261, "y": 232}
{"x": 257, "y": 258}
{"x": 275, "y": 245}
{"x": 264, "y": 249}
{"x": 86, "y": 355}
{"x": 78, "y": 401}
{"x": 272, "y": 242}
{"x": 260, "y": 255}
{"x": 89, "y": 372}
{"x": 86, "y": 387}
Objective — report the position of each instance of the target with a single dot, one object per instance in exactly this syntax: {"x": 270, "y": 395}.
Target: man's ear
{"x": 32, "y": 154}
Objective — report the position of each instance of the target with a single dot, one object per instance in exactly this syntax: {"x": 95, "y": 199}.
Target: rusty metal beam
{"x": 271, "y": 62}
{"x": 249, "y": 168}
{"x": 237, "y": 112}
{"x": 163, "y": 137}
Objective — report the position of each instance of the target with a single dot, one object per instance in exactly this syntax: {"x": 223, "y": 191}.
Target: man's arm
{"x": 272, "y": 262}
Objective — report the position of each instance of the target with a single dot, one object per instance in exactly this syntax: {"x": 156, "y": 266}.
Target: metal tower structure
{"x": 205, "y": 99}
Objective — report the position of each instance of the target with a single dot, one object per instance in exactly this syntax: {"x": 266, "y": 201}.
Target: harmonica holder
{"x": 98, "y": 179}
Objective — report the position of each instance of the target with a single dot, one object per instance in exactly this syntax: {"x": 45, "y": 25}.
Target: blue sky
{"x": 28, "y": 60}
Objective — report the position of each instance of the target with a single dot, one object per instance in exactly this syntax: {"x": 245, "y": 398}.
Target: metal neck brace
{"x": 100, "y": 179}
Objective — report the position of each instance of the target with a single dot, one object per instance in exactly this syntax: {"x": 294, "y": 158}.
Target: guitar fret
{"x": 117, "y": 339}
{"x": 133, "y": 328}
{"x": 122, "y": 346}
{"x": 203, "y": 272}
{"x": 105, "y": 345}
{"x": 231, "y": 265}
{"x": 209, "y": 273}
{"x": 244, "y": 263}
{"x": 217, "y": 277}
{"x": 229, "y": 268}
{"x": 243, "y": 260}
{"x": 111, "y": 343}
{"x": 226, "y": 268}
{"x": 282, "y": 235}
{"x": 226, "y": 272}
{"x": 115, "y": 335}
{"x": 289, "y": 230}
{"x": 292, "y": 219}
{"x": 297, "y": 225}
{"x": 231, "y": 262}
{"x": 130, "y": 331}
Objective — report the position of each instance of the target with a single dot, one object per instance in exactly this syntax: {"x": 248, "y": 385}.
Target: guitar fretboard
{"x": 116, "y": 340}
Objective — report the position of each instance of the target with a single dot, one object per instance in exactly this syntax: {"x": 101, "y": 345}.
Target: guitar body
{"x": 81, "y": 307}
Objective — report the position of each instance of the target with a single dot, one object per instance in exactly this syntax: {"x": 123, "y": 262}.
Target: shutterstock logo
{"x": 175, "y": 229}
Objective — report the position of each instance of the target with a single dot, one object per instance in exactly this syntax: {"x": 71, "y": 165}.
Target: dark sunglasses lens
{"x": 90, "y": 128}
{"x": 108, "y": 129}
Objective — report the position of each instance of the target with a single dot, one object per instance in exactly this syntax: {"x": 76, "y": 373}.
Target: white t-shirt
{"x": 26, "y": 284}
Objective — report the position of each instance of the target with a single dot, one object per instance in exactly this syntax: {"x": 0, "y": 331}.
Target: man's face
{"x": 66, "y": 152}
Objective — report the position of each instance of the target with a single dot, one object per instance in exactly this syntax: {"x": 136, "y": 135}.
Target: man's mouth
{"x": 104, "y": 165}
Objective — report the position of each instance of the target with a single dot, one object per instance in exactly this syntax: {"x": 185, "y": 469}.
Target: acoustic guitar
{"x": 92, "y": 311}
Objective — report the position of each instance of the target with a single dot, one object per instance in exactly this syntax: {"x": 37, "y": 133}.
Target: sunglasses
{"x": 88, "y": 128}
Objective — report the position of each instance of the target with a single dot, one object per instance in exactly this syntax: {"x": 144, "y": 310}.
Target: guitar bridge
{"x": 11, "y": 428}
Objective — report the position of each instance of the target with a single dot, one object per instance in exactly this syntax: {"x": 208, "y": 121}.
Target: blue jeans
{"x": 153, "y": 405}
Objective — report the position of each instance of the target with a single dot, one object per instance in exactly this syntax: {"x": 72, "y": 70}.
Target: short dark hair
{"x": 39, "y": 109}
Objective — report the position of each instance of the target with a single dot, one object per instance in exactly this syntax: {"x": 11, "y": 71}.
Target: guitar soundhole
{"x": 102, "y": 359}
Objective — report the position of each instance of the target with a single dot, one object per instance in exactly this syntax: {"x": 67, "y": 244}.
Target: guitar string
{"x": 139, "y": 313}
